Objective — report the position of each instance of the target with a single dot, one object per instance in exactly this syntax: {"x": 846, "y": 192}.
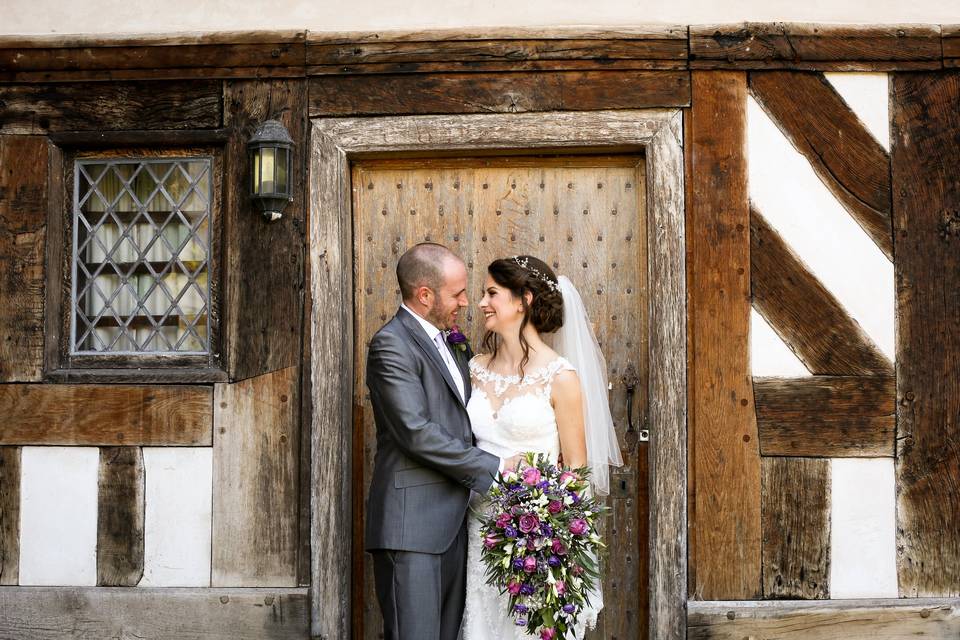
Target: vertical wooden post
{"x": 9, "y": 515}
{"x": 723, "y": 428}
{"x": 926, "y": 218}
{"x": 120, "y": 517}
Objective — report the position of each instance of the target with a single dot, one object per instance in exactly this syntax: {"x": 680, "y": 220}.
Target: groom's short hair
{"x": 422, "y": 266}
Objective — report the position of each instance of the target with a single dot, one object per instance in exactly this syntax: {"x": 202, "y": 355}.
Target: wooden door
{"x": 585, "y": 216}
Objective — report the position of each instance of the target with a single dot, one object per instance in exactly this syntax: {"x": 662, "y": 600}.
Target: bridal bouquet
{"x": 540, "y": 544}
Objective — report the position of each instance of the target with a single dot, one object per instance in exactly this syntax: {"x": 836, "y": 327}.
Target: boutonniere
{"x": 456, "y": 339}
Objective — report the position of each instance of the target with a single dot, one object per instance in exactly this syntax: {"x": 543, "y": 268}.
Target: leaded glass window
{"x": 141, "y": 256}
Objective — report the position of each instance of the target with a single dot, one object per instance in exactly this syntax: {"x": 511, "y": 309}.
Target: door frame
{"x": 657, "y": 134}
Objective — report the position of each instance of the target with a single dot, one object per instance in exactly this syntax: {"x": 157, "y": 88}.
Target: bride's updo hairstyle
{"x": 522, "y": 274}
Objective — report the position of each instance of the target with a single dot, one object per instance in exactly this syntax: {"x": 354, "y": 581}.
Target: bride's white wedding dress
{"x": 508, "y": 415}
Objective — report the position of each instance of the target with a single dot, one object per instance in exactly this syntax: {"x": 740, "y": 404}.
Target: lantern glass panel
{"x": 283, "y": 161}
{"x": 255, "y": 174}
{"x": 268, "y": 177}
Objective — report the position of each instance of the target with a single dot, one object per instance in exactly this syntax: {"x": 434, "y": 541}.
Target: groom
{"x": 426, "y": 464}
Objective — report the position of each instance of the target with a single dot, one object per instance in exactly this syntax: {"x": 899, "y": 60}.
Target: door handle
{"x": 631, "y": 380}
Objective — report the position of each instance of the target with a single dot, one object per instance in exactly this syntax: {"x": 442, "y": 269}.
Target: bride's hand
{"x": 513, "y": 462}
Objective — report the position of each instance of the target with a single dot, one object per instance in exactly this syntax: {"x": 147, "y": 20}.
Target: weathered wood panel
{"x": 255, "y": 488}
{"x": 514, "y": 51}
{"x": 667, "y": 380}
{"x": 782, "y": 45}
{"x": 77, "y": 613}
{"x": 846, "y": 157}
{"x": 951, "y": 45}
{"x": 926, "y": 213}
{"x": 796, "y": 528}
{"x": 23, "y": 213}
{"x": 120, "y": 511}
{"x": 809, "y": 319}
{"x": 264, "y": 262}
{"x": 103, "y": 60}
{"x": 95, "y": 415}
{"x": 9, "y": 515}
{"x": 38, "y": 109}
{"x": 859, "y": 619}
{"x": 331, "y": 376}
{"x": 497, "y": 92}
{"x": 726, "y": 457}
{"x": 828, "y": 416}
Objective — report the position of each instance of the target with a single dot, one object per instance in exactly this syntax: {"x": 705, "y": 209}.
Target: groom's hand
{"x": 511, "y": 463}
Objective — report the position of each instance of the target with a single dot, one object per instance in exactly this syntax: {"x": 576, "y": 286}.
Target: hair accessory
{"x": 524, "y": 263}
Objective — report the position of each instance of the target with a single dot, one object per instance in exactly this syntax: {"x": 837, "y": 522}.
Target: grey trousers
{"x": 422, "y": 595}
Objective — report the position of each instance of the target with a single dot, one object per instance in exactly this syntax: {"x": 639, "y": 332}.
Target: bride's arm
{"x": 568, "y": 407}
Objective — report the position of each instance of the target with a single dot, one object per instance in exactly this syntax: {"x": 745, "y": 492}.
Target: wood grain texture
{"x": 722, "y": 420}
{"x": 667, "y": 380}
{"x": 9, "y": 515}
{"x": 785, "y": 45}
{"x": 637, "y": 32}
{"x": 825, "y": 620}
{"x": 951, "y": 45}
{"x": 264, "y": 262}
{"x": 23, "y": 212}
{"x": 331, "y": 377}
{"x": 847, "y": 158}
{"x": 497, "y": 92}
{"x": 796, "y": 528}
{"x": 926, "y": 130}
{"x": 255, "y": 488}
{"x": 101, "y": 415}
{"x": 38, "y": 109}
{"x": 88, "y": 613}
{"x": 809, "y": 319}
{"x": 826, "y": 416}
{"x": 120, "y": 517}
{"x": 514, "y": 51}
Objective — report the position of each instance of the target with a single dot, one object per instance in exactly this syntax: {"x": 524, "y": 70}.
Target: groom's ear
{"x": 424, "y": 296}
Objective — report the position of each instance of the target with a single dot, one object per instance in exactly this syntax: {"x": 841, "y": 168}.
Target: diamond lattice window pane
{"x": 141, "y": 258}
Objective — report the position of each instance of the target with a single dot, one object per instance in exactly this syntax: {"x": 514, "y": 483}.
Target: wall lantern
{"x": 270, "y": 150}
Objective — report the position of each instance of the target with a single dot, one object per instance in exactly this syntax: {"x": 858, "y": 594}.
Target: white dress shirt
{"x": 436, "y": 337}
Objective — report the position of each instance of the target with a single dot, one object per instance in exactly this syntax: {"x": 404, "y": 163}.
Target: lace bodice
{"x": 510, "y": 414}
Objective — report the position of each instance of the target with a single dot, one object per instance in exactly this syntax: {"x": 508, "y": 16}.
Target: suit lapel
{"x": 420, "y": 338}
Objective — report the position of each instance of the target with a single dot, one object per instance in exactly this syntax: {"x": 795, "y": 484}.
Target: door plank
{"x": 9, "y": 515}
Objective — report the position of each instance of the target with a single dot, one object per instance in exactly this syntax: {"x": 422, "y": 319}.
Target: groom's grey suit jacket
{"x": 426, "y": 462}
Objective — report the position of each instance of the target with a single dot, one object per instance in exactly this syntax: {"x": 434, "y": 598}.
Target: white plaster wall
{"x": 58, "y": 515}
{"x": 838, "y": 251}
{"x": 143, "y": 16}
{"x": 177, "y": 519}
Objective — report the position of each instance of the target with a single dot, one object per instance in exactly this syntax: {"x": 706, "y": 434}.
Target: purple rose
{"x": 543, "y": 484}
{"x": 569, "y": 608}
{"x": 456, "y": 339}
{"x": 521, "y": 622}
{"x": 531, "y": 544}
{"x": 529, "y": 564}
{"x": 526, "y": 589}
{"x": 558, "y": 547}
{"x": 555, "y": 506}
{"x": 575, "y": 496}
{"x": 546, "y": 530}
{"x": 579, "y": 527}
{"x": 518, "y": 563}
{"x": 519, "y": 608}
{"x": 528, "y": 522}
{"x": 510, "y": 532}
{"x": 504, "y": 519}
{"x": 531, "y": 476}
{"x": 490, "y": 541}
{"x": 553, "y": 561}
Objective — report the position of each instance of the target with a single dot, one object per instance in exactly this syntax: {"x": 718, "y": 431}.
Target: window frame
{"x": 62, "y": 365}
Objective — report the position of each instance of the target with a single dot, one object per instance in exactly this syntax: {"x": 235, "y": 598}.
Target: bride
{"x": 529, "y": 396}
